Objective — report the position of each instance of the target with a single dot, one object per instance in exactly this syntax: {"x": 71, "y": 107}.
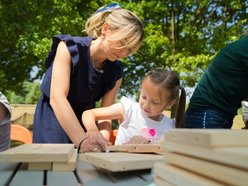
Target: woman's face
{"x": 113, "y": 48}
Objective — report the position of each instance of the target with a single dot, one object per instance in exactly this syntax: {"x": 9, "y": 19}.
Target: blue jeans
{"x": 205, "y": 117}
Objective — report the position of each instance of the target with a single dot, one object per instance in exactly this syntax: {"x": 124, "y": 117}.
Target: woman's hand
{"x": 93, "y": 141}
{"x": 138, "y": 140}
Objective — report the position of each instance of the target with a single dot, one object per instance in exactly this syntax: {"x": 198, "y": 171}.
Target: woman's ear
{"x": 105, "y": 28}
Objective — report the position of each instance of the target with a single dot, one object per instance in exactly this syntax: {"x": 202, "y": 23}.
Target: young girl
{"x": 144, "y": 122}
{"x": 81, "y": 71}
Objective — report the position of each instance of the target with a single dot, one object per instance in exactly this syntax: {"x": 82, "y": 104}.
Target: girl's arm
{"x": 109, "y": 98}
{"x": 89, "y": 117}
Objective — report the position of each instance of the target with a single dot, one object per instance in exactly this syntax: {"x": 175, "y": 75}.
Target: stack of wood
{"x": 56, "y": 157}
{"x": 203, "y": 157}
{"x": 129, "y": 157}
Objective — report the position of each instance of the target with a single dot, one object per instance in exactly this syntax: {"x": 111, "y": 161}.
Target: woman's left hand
{"x": 94, "y": 142}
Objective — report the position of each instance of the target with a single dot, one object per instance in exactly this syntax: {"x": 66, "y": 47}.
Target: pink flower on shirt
{"x": 149, "y": 134}
{"x": 152, "y": 132}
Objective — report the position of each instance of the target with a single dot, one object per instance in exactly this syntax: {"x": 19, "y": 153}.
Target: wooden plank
{"x": 210, "y": 138}
{"x": 70, "y": 165}
{"x": 120, "y": 161}
{"x": 226, "y": 174}
{"x": 161, "y": 182}
{"x": 179, "y": 176}
{"x": 61, "y": 178}
{"x": 232, "y": 156}
{"x": 92, "y": 176}
{"x": 38, "y": 153}
{"x": 137, "y": 148}
{"x": 24, "y": 177}
{"x": 6, "y": 171}
{"x": 119, "y": 148}
{"x": 40, "y": 166}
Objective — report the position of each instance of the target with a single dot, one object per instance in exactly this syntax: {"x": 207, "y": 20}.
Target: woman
{"x": 81, "y": 71}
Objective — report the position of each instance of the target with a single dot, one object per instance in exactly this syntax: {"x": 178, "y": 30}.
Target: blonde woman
{"x": 81, "y": 71}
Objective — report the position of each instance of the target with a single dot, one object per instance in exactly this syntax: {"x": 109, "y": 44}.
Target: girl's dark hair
{"x": 169, "y": 81}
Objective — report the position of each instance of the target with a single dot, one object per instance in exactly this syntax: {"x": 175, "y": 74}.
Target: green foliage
{"x": 29, "y": 95}
{"x": 181, "y": 35}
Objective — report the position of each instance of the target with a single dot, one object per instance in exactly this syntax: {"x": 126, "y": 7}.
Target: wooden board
{"x": 38, "y": 153}
{"x": 179, "y": 176}
{"x": 137, "y": 148}
{"x": 209, "y": 137}
{"x": 232, "y": 156}
{"x": 119, "y": 161}
{"x": 40, "y": 166}
{"x": 223, "y": 173}
{"x": 91, "y": 176}
{"x": 161, "y": 182}
{"x": 70, "y": 165}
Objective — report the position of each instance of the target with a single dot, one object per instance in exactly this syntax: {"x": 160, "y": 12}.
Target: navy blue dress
{"x": 87, "y": 86}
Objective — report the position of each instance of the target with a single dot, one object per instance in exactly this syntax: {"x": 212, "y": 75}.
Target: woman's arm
{"x": 60, "y": 84}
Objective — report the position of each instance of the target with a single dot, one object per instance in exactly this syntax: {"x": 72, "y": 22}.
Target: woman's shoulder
{"x": 72, "y": 40}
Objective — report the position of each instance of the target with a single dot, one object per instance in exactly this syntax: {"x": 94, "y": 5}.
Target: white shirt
{"x": 136, "y": 123}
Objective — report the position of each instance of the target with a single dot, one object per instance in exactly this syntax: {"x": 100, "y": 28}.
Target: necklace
{"x": 94, "y": 66}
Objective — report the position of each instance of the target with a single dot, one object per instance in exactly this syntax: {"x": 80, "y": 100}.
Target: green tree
{"x": 181, "y": 35}
{"x": 184, "y": 36}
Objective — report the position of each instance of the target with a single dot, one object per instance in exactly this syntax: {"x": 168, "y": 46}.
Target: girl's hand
{"x": 94, "y": 142}
{"x": 138, "y": 140}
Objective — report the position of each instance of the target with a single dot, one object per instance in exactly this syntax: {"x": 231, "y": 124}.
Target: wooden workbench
{"x": 16, "y": 174}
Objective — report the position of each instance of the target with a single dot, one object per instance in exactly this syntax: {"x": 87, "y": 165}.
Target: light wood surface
{"x": 70, "y": 165}
{"x": 231, "y": 156}
{"x": 210, "y": 138}
{"x": 161, "y": 182}
{"x": 214, "y": 170}
{"x": 119, "y": 161}
{"x": 137, "y": 148}
{"x": 179, "y": 176}
{"x": 40, "y": 166}
{"x": 38, "y": 153}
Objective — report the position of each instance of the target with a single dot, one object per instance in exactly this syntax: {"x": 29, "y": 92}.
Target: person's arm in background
{"x": 89, "y": 117}
{"x": 60, "y": 84}
{"x": 245, "y": 114}
{"x": 109, "y": 98}
{"x": 5, "y": 115}
{"x": 3, "y": 112}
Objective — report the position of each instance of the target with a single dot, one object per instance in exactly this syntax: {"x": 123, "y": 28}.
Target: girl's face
{"x": 153, "y": 101}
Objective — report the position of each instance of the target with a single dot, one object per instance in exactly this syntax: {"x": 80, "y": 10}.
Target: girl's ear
{"x": 171, "y": 103}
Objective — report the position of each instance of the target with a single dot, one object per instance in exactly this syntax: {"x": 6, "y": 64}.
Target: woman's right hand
{"x": 94, "y": 142}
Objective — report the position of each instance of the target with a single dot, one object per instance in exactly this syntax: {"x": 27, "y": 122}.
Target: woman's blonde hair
{"x": 128, "y": 26}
